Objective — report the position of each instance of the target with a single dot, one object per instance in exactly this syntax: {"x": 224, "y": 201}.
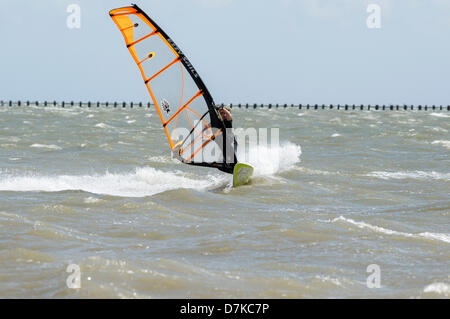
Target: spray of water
{"x": 271, "y": 159}
{"x": 147, "y": 181}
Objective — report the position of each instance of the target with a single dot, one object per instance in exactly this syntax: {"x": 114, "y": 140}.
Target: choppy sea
{"x": 348, "y": 204}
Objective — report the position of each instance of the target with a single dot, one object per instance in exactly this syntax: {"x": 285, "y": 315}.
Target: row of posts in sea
{"x": 240, "y": 105}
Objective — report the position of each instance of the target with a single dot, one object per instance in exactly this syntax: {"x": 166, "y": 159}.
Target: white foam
{"x": 57, "y": 109}
{"x": 439, "y": 288}
{"x": 91, "y": 200}
{"x": 334, "y": 281}
{"x": 439, "y": 129}
{"x": 163, "y": 159}
{"x": 142, "y": 182}
{"x": 425, "y": 235}
{"x": 309, "y": 171}
{"x": 410, "y": 175}
{"x": 52, "y": 146}
{"x": 444, "y": 143}
{"x": 336, "y": 135}
{"x": 440, "y": 115}
{"x": 436, "y": 236}
{"x": 269, "y": 160}
{"x": 102, "y": 125}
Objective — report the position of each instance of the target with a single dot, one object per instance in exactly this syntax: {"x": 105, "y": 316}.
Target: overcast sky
{"x": 286, "y": 51}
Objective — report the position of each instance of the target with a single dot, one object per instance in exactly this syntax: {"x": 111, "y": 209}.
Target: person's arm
{"x": 176, "y": 151}
{"x": 226, "y": 117}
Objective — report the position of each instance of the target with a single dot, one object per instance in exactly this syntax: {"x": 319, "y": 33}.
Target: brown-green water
{"x": 344, "y": 190}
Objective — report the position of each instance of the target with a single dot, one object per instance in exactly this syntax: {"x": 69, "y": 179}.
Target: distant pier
{"x": 345, "y": 107}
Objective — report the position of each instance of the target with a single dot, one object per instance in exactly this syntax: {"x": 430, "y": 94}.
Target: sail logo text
{"x": 186, "y": 61}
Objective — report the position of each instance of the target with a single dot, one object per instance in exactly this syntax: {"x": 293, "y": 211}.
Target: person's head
{"x": 225, "y": 113}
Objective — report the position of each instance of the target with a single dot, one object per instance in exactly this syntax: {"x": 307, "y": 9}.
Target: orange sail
{"x": 184, "y": 104}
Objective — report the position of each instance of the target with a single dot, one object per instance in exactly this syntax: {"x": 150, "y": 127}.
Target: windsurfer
{"x": 230, "y": 141}
{"x": 228, "y": 137}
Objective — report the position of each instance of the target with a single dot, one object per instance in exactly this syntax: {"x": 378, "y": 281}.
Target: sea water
{"x": 341, "y": 194}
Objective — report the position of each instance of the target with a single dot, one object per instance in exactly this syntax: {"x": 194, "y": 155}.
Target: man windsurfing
{"x": 181, "y": 99}
{"x": 227, "y": 137}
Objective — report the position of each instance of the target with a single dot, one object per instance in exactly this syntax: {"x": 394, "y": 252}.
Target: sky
{"x": 246, "y": 51}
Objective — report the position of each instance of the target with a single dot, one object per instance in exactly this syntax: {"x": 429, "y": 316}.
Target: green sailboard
{"x": 241, "y": 174}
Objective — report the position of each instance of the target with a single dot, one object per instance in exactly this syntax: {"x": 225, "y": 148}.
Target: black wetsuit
{"x": 229, "y": 139}
{"x": 228, "y": 165}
